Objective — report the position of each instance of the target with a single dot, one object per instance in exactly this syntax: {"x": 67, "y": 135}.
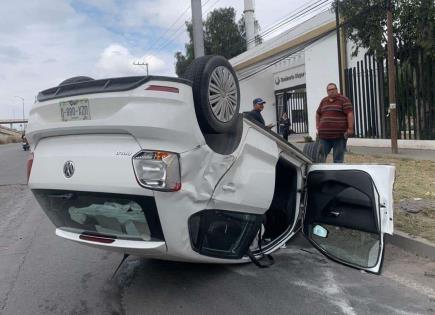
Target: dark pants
{"x": 339, "y": 146}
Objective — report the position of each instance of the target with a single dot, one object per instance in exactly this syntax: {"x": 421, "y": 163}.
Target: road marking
{"x": 411, "y": 284}
{"x": 331, "y": 291}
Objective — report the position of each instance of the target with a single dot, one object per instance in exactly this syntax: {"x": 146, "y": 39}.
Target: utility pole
{"x": 391, "y": 79}
{"x": 138, "y": 63}
{"x": 340, "y": 64}
{"x": 198, "y": 35}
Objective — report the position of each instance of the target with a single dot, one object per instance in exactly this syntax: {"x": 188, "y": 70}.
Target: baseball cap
{"x": 258, "y": 101}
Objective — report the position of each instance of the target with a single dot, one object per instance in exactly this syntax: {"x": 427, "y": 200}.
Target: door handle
{"x": 334, "y": 214}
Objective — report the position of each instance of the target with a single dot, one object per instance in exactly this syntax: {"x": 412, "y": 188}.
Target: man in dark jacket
{"x": 255, "y": 113}
{"x": 334, "y": 122}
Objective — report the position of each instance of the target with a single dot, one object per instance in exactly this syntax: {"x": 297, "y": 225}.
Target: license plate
{"x": 75, "y": 110}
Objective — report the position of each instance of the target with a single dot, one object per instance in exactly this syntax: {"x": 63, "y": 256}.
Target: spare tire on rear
{"x": 216, "y": 93}
{"x": 314, "y": 151}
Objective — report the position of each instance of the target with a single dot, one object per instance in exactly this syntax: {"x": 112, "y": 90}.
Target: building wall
{"x": 321, "y": 66}
{"x": 319, "y": 72}
{"x": 259, "y": 85}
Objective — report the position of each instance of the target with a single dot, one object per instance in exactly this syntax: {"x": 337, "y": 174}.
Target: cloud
{"x": 117, "y": 60}
{"x": 47, "y": 41}
{"x": 155, "y": 13}
{"x": 11, "y": 54}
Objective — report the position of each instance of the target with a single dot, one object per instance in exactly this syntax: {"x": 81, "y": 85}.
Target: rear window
{"x": 121, "y": 216}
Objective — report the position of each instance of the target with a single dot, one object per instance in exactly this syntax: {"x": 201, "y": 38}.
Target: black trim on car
{"x": 103, "y": 86}
{"x": 222, "y": 233}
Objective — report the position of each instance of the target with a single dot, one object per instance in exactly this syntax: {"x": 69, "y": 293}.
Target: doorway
{"x": 293, "y": 101}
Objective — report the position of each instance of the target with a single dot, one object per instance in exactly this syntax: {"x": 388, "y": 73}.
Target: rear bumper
{"x": 148, "y": 248}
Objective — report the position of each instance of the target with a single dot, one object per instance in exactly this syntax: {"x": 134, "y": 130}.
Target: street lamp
{"x": 22, "y": 99}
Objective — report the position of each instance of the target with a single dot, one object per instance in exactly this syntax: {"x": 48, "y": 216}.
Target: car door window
{"x": 341, "y": 217}
{"x": 354, "y": 246}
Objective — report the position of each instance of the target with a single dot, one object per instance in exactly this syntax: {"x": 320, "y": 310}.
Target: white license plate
{"x": 75, "y": 110}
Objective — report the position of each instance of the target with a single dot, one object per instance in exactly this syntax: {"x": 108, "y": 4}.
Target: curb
{"x": 413, "y": 244}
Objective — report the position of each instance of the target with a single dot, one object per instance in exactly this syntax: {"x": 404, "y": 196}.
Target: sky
{"x": 43, "y": 42}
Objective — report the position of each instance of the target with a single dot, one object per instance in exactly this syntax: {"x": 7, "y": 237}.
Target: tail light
{"x": 157, "y": 170}
{"x": 162, "y": 88}
{"x": 29, "y": 165}
{"x": 99, "y": 238}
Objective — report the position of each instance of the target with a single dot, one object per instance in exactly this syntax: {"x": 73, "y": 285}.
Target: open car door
{"x": 348, "y": 210}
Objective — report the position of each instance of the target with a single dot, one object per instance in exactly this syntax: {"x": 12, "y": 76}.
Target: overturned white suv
{"x": 167, "y": 168}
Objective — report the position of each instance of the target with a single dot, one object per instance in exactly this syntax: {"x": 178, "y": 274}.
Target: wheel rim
{"x": 222, "y": 94}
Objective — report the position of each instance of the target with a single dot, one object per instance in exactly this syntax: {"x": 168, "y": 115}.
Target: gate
{"x": 295, "y": 104}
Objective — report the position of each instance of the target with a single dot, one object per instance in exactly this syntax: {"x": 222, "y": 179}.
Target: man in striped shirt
{"x": 334, "y": 123}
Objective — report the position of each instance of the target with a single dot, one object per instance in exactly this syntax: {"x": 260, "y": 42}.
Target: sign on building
{"x": 290, "y": 77}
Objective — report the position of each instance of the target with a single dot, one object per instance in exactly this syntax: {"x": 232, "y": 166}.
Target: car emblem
{"x": 68, "y": 169}
{"x": 277, "y": 81}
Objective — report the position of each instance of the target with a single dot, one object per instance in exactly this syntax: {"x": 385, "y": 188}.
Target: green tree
{"x": 183, "y": 61}
{"x": 222, "y": 36}
{"x": 366, "y": 20}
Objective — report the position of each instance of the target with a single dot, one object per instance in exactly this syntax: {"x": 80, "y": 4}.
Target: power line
{"x": 302, "y": 47}
{"x": 181, "y": 28}
{"x": 316, "y": 6}
{"x": 209, "y": 9}
{"x": 170, "y": 39}
{"x": 292, "y": 52}
{"x": 286, "y": 16}
{"x": 168, "y": 29}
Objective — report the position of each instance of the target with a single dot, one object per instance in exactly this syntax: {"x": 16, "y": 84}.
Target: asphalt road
{"x": 43, "y": 274}
{"x": 13, "y": 164}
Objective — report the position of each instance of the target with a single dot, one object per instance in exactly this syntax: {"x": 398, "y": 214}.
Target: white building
{"x": 291, "y": 71}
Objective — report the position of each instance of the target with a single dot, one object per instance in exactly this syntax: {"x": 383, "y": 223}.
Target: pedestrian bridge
{"x": 12, "y": 121}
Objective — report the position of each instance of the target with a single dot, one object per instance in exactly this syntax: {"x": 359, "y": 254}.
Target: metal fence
{"x": 297, "y": 111}
{"x": 415, "y": 95}
{"x": 295, "y": 104}
{"x": 367, "y": 87}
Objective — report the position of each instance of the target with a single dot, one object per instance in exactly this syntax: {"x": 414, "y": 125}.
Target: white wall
{"x": 321, "y": 66}
{"x": 259, "y": 85}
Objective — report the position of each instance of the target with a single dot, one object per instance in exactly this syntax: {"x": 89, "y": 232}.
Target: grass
{"x": 415, "y": 183}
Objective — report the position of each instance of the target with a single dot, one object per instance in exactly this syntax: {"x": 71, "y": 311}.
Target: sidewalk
{"x": 411, "y": 154}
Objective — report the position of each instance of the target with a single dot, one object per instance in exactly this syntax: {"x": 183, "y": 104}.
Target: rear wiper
{"x": 66, "y": 196}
